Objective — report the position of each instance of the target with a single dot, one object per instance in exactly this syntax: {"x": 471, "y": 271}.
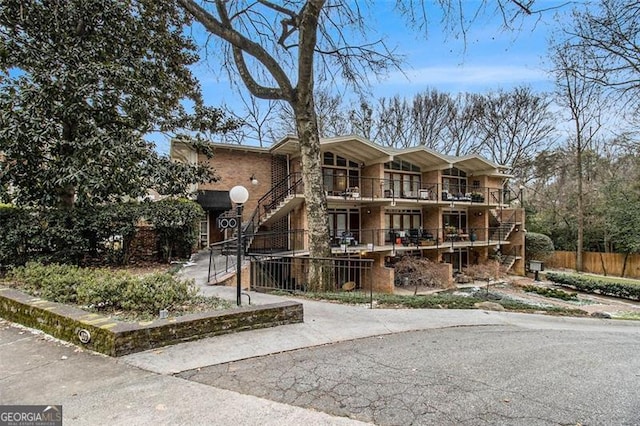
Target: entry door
{"x": 459, "y": 259}
{"x": 215, "y": 234}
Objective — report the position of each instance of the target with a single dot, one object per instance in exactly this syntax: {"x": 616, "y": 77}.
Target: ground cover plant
{"x": 627, "y": 289}
{"x": 119, "y": 293}
{"x": 551, "y": 292}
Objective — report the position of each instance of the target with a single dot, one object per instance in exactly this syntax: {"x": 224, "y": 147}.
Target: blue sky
{"x": 491, "y": 58}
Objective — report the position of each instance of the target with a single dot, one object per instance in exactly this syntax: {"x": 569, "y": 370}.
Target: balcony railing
{"x": 371, "y": 189}
{"x": 295, "y": 242}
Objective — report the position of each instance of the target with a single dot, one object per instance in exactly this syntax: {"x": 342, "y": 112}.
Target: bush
{"x": 158, "y": 291}
{"x": 420, "y": 272}
{"x": 538, "y": 247}
{"x": 177, "y": 225}
{"x": 83, "y": 235}
{"x": 57, "y": 283}
{"x": 488, "y": 271}
{"x": 17, "y": 231}
{"x": 595, "y": 285}
{"x": 103, "y": 289}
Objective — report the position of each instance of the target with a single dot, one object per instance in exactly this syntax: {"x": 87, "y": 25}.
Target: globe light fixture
{"x": 239, "y": 195}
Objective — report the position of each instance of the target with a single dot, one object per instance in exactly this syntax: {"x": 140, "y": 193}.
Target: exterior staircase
{"x": 502, "y": 227}
{"x": 508, "y": 261}
{"x": 502, "y": 232}
{"x": 275, "y": 204}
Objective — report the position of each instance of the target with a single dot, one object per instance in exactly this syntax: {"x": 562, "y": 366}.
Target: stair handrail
{"x": 267, "y": 202}
{"x": 212, "y": 248}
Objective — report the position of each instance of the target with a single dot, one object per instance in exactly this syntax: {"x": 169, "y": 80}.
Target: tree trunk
{"x": 579, "y": 266}
{"x": 604, "y": 266}
{"x": 315, "y": 201}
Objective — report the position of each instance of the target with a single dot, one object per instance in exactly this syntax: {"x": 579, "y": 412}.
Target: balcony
{"x": 295, "y": 243}
{"x": 393, "y": 191}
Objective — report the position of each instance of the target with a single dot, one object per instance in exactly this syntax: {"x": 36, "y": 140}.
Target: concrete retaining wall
{"x": 116, "y": 338}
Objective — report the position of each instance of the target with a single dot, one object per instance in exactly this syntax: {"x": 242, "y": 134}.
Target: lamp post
{"x": 239, "y": 195}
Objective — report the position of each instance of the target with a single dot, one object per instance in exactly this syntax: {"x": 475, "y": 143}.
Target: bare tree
{"x": 432, "y": 112}
{"x": 394, "y": 125}
{"x": 257, "y": 122}
{"x": 329, "y": 112}
{"x": 610, "y": 37}
{"x": 361, "y": 120}
{"x": 461, "y": 129}
{"x": 583, "y": 100}
{"x": 513, "y": 126}
{"x": 273, "y": 48}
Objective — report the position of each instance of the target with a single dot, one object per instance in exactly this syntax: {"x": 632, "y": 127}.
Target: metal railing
{"x": 291, "y": 273}
{"x": 295, "y": 242}
{"x": 222, "y": 260}
{"x": 369, "y": 188}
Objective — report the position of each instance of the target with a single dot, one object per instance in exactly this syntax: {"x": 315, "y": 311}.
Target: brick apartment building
{"x": 382, "y": 203}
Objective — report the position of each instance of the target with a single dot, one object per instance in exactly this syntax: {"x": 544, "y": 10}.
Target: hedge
{"x": 86, "y": 235}
{"x": 594, "y": 285}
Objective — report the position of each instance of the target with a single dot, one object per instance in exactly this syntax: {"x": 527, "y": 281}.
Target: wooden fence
{"x": 598, "y": 263}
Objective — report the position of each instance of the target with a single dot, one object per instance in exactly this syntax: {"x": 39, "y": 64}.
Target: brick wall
{"x": 235, "y": 167}
{"x": 144, "y": 246}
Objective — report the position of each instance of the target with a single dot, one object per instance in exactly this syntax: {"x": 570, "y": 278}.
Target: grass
{"x": 629, "y": 315}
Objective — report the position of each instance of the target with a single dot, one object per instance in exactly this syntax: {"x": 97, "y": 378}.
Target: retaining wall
{"x": 115, "y": 338}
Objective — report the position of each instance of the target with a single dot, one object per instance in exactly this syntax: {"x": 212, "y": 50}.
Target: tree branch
{"x": 240, "y": 45}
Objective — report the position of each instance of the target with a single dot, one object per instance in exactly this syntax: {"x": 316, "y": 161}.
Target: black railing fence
{"x": 291, "y": 273}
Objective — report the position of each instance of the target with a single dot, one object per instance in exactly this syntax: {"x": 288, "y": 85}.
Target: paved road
{"x": 463, "y": 375}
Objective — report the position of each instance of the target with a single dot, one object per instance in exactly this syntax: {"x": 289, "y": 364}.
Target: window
{"x": 402, "y": 220}
{"x": 454, "y": 181}
{"x": 339, "y": 174}
{"x": 204, "y": 231}
{"x": 402, "y": 184}
{"x": 342, "y": 221}
{"x": 455, "y": 218}
{"x": 459, "y": 259}
{"x": 401, "y": 165}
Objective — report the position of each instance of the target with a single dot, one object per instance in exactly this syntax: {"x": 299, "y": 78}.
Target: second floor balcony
{"x": 389, "y": 190}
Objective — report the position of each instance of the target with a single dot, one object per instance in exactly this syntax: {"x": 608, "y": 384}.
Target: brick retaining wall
{"x": 116, "y": 338}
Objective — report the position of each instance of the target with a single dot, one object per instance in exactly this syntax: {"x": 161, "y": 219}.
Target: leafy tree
{"x": 623, "y": 217}
{"x": 176, "y": 224}
{"x": 81, "y": 83}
